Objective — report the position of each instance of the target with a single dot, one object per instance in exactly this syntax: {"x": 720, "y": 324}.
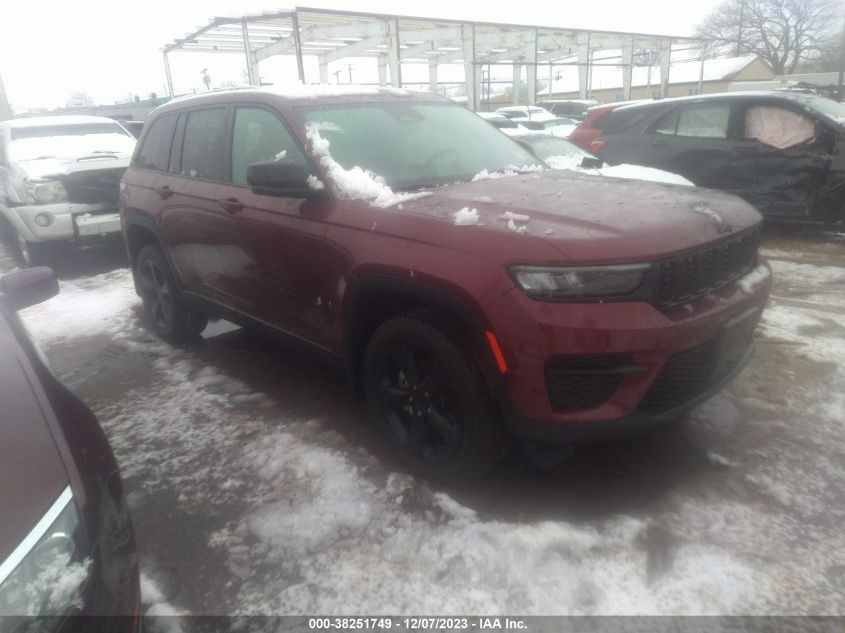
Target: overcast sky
{"x": 110, "y": 49}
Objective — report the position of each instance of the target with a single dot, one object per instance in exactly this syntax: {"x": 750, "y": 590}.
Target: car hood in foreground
{"x": 32, "y": 473}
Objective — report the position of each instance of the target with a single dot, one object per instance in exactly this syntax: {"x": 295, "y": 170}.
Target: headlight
{"x": 45, "y": 574}
{"x": 587, "y": 281}
{"x": 44, "y": 191}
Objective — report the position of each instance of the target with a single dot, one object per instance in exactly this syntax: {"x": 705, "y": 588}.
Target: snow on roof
{"x": 46, "y": 121}
{"x": 610, "y": 77}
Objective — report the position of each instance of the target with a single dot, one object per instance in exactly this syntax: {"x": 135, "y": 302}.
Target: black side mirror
{"x": 28, "y": 287}
{"x": 591, "y": 162}
{"x": 285, "y": 178}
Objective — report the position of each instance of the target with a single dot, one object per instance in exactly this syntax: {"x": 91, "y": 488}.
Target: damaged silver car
{"x": 59, "y": 181}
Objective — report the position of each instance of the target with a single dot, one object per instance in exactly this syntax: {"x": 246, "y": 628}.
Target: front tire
{"x": 430, "y": 401}
{"x": 31, "y": 254}
{"x": 167, "y": 313}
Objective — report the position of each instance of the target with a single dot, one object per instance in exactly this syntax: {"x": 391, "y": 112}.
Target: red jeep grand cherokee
{"x": 466, "y": 288}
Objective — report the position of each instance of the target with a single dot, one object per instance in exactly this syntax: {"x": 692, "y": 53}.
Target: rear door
{"x": 698, "y": 141}
{"x": 197, "y": 230}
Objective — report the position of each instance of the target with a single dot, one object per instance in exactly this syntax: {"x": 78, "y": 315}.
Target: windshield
{"x": 546, "y": 147}
{"x": 69, "y": 141}
{"x": 415, "y": 144}
{"x": 829, "y": 108}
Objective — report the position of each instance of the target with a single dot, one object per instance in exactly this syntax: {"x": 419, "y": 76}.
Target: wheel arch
{"x": 375, "y": 298}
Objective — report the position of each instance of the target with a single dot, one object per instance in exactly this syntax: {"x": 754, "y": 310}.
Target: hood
{"x": 32, "y": 474}
{"x": 592, "y": 218}
{"x": 58, "y": 167}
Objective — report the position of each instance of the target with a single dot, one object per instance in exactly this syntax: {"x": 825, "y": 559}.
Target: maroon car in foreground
{"x": 470, "y": 291}
{"x": 67, "y": 551}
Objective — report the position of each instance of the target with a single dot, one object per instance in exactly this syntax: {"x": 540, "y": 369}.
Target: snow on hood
{"x": 42, "y": 157}
{"x": 633, "y": 172}
{"x": 71, "y": 146}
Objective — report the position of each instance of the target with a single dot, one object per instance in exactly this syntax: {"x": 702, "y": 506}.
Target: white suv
{"x": 59, "y": 180}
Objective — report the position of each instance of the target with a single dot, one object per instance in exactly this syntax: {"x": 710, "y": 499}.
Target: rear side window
{"x": 701, "y": 120}
{"x": 155, "y": 151}
{"x": 260, "y": 136}
{"x": 600, "y": 121}
{"x": 204, "y": 146}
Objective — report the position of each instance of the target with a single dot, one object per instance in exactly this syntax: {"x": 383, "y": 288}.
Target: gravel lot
{"x": 258, "y": 486}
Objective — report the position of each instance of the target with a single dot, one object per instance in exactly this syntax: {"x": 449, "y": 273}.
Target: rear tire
{"x": 167, "y": 313}
{"x": 430, "y": 401}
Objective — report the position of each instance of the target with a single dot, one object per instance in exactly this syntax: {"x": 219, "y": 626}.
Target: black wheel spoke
{"x": 404, "y": 355}
{"x": 394, "y": 397}
{"x": 447, "y": 429}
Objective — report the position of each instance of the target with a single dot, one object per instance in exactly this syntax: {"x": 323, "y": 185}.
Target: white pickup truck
{"x": 59, "y": 181}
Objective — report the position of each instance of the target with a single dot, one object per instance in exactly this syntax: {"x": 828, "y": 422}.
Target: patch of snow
{"x": 638, "y": 172}
{"x": 516, "y": 229}
{"x": 314, "y": 182}
{"x": 721, "y": 460}
{"x": 56, "y": 587}
{"x": 752, "y": 280}
{"x": 511, "y": 170}
{"x": 280, "y": 156}
{"x": 467, "y": 217}
{"x": 631, "y": 172}
{"x": 516, "y": 217}
{"x": 356, "y": 183}
{"x": 703, "y": 209}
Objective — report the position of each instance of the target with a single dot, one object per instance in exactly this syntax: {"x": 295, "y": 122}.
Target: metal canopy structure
{"x": 395, "y": 40}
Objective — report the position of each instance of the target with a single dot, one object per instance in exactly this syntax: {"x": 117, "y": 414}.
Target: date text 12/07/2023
{"x": 417, "y": 624}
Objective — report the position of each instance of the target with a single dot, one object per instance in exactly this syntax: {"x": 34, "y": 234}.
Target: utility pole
{"x": 6, "y": 109}
{"x": 839, "y": 94}
{"x": 206, "y": 78}
{"x": 349, "y": 68}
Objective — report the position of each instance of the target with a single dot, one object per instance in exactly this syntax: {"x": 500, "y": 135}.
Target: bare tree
{"x": 782, "y": 32}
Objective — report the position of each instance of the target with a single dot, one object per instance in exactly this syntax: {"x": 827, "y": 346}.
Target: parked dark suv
{"x": 782, "y": 151}
{"x": 66, "y": 543}
{"x": 466, "y": 288}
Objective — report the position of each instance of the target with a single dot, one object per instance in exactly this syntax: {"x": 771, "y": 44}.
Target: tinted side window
{"x": 155, "y": 152}
{"x": 204, "y": 146}
{"x": 700, "y": 120}
{"x": 259, "y": 136}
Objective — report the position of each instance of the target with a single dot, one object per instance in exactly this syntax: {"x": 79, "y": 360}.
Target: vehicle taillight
{"x": 596, "y": 146}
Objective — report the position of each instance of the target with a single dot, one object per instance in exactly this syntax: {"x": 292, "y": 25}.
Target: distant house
{"x": 606, "y": 81}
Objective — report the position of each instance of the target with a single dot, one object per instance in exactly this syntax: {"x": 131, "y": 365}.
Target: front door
{"x": 787, "y": 155}
{"x": 282, "y": 252}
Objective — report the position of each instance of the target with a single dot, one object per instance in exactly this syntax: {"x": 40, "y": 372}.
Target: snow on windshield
{"x": 355, "y": 183}
{"x": 71, "y": 145}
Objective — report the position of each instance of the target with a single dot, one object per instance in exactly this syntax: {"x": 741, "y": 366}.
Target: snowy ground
{"x": 258, "y": 486}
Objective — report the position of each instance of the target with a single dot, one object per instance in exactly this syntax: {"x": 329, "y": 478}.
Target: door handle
{"x": 164, "y": 192}
{"x": 231, "y": 205}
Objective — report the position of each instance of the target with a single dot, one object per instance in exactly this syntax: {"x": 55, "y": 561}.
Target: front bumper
{"x": 649, "y": 346}
{"x": 68, "y": 221}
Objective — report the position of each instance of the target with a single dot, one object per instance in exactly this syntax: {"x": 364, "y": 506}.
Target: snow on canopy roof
{"x": 610, "y": 77}
{"x": 47, "y": 121}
